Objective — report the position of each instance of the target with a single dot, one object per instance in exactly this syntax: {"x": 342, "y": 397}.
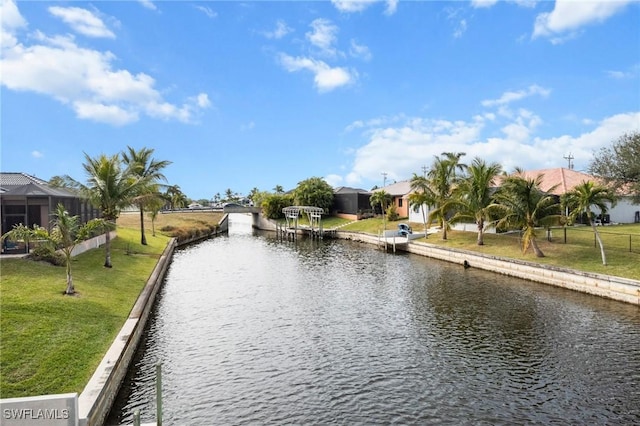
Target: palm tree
{"x": 175, "y": 197}
{"x": 474, "y": 194}
{"x": 443, "y": 178}
{"x": 148, "y": 170}
{"x": 111, "y": 188}
{"x": 525, "y": 206}
{"x": 580, "y": 200}
{"x": 421, "y": 196}
{"x": 154, "y": 205}
{"x": 66, "y": 233}
{"x": 381, "y": 198}
{"x": 278, "y": 189}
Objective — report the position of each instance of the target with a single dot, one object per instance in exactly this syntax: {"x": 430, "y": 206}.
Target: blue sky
{"x": 257, "y": 94}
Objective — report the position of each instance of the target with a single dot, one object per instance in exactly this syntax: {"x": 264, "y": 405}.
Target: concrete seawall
{"x": 95, "y": 401}
{"x": 621, "y": 289}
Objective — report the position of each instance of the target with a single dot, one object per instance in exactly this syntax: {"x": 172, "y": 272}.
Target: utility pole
{"x": 384, "y": 179}
{"x": 424, "y": 171}
{"x": 569, "y": 158}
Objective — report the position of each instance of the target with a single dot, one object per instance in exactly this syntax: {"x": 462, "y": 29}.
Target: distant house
{"x": 30, "y": 201}
{"x": 565, "y": 180}
{"x": 350, "y": 203}
{"x": 399, "y": 192}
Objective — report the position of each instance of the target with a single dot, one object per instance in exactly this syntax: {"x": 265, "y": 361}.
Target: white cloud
{"x": 400, "y": 148}
{"x": 148, "y": 4}
{"x": 82, "y": 21}
{"x": 392, "y": 7}
{"x": 460, "y": 29}
{"x": 323, "y": 36}
{"x": 202, "y": 100}
{"x": 207, "y": 11}
{"x": 478, "y": 4}
{"x": 85, "y": 80}
{"x": 334, "y": 180}
{"x": 350, "y": 6}
{"x": 326, "y": 78}
{"x": 521, "y": 128}
{"x": 569, "y": 16}
{"x": 111, "y": 114}
{"x": 508, "y": 97}
{"x": 483, "y": 3}
{"x": 353, "y": 6}
{"x": 360, "y": 51}
{"x": 280, "y": 31}
{"x": 37, "y": 154}
{"x": 11, "y": 17}
{"x": 621, "y": 75}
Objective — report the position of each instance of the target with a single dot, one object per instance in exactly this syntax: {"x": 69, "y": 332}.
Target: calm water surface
{"x": 251, "y": 330}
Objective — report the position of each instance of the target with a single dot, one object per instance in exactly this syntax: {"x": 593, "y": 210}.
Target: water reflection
{"x": 255, "y": 331}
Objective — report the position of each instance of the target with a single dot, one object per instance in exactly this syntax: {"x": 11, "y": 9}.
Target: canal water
{"x": 252, "y": 330}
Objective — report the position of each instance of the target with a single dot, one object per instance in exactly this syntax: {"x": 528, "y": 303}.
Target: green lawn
{"x": 51, "y": 343}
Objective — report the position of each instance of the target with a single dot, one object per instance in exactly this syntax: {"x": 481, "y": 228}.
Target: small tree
{"x": 421, "y": 197}
{"x": 474, "y": 195}
{"x": 580, "y": 200}
{"x": 67, "y": 233}
{"x": 154, "y": 205}
{"x": 381, "y": 198}
{"x": 524, "y": 206}
{"x": 392, "y": 213}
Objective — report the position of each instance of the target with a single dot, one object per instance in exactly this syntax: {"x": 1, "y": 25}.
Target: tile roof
{"x": 398, "y": 188}
{"x": 9, "y": 180}
{"x": 565, "y": 179}
{"x": 22, "y": 184}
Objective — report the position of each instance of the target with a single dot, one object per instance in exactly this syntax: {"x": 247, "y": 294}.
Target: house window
{"x": 399, "y": 202}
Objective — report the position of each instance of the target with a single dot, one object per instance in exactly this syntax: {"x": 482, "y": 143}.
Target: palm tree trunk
{"x": 536, "y": 249}
{"x": 444, "y": 229}
{"x": 143, "y": 239}
{"x": 480, "y": 233}
{"x": 70, "y": 289}
{"x": 107, "y": 250}
{"x": 597, "y": 234}
{"x": 424, "y": 220}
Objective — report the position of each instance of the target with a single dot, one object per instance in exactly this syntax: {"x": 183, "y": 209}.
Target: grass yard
{"x": 50, "y": 343}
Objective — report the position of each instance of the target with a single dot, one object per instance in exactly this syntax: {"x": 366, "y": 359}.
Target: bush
{"x": 46, "y": 253}
{"x": 272, "y": 205}
{"x": 392, "y": 213}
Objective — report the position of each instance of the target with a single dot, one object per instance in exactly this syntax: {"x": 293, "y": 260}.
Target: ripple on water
{"x": 255, "y": 331}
